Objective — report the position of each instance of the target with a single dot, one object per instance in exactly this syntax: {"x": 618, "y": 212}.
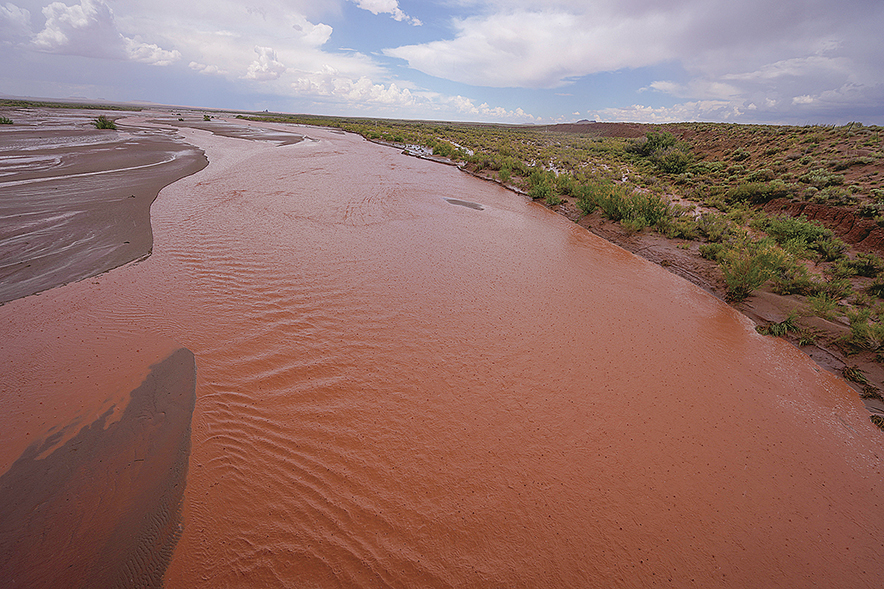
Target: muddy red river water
{"x": 398, "y": 390}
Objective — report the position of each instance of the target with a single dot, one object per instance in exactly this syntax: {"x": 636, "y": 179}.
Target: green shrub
{"x": 553, "y": 200}
{"x": 674, "y": 159}
{"x": 652, "y": 142}
{"x": 102, "y": 122}
{"x": 504, "y": 175}
{"x": 5, "y": 121}
{"x": 540, "y": 191}
{"x": 757, "y": 193}
{"x": 830, "y": 249}
{"x": 540, "y": 184}
{"x": 793, "y": 278}
{"x": 586, "y": 205}
{"x": 854, "y": 374}
{"x": 864, "y": 333}
{"x": 868, "y": 265}
{"x": 613, "y": 203}
{"x": 664, "y": 150}
{"x": 783, "y": 228}
{"x": 713, "y": 227}
{"x": 740, "y": 155}
{"x": 876, "y": 289}
{"x": 821, "y": 178}
{"x": 712, "y": 251}
{"x": 207, "y": 118}
{"x": 565, "y": 184}
{"x": 763, "y": 175}
{"x": 836, "y": 288}
{"x": 832, "y": 196}
{"x": 678, "y": 226}
{"x": 747, "y": 266}
{"x": 869, "y": 210}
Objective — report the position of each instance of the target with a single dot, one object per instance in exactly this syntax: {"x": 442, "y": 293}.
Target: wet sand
{"x": 236, "y": 130}
{"x": 76, "y": 200}
{"x": 397, "y": 392}
{"x": 103, "y": 509}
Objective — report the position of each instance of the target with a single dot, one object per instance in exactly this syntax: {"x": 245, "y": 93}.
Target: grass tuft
{"x": 854, "y": 374}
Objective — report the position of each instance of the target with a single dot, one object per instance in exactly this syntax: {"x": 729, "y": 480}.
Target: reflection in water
{"x": 398, "y": 392}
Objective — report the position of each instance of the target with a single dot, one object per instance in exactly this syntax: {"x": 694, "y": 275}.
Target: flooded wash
{"x": 396, "y": 392}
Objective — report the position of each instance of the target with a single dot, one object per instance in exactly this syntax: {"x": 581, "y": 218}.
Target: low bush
{"x": 5, "y": 121}
{"x": 757, "y": 193}
{"x": 832, "y": 196}
{"x": 793, "y": 278}
{"x": 836, "y": 288}
{"x": 821, "y": 178}
{"x": 553, "y": 200}
{"x": 830, "y": 249}
{"x": 669, "y": 154}
{"x": 864, "y": 333}
{"x": 784, "y": 228}
{"x": 869, "y": 210}
{"x": 740, "y": 155}
{"x": 712, "y": 251}
{"x": 565, "y": 184}
{"x": 747, "y": 266}
{"x": 868, "y": 265}
{"x": 676, "y": 226}
{"x": 762, "y": 175}
{"x": 713, "y": 227}
{"x": 674, "y": 159}
{"x": 102, "y": 122}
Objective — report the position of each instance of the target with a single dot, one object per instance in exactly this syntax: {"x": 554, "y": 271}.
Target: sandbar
{"x": 75, "y": 200}
{"x": 103, "y": 509}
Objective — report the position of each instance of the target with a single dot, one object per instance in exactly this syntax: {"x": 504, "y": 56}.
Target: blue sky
{"x": 517, "y": 61}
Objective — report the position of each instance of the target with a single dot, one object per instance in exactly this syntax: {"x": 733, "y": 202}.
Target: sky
{"x": 514, "y": 61}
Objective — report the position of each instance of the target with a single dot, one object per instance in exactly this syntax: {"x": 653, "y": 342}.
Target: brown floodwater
{"x": 408, "y": 377}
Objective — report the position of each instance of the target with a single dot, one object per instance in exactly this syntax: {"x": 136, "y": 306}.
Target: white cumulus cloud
{"x": 387, "y": 7}
{"x": 88, "y": 29}
{"x": 266, "y": 67}
{"x": 742, "y": 53}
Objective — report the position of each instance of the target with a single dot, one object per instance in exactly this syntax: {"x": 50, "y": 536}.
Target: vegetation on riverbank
{"x": 15, "y": 103}
{"x": 732, "y": 190}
